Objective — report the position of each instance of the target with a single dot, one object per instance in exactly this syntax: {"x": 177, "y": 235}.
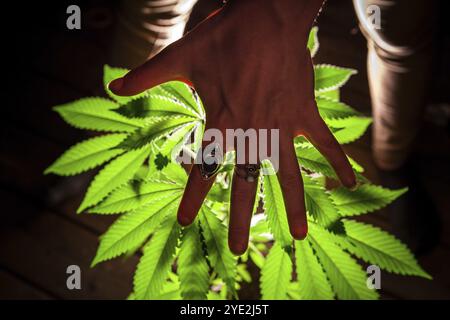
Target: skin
{"x": 250, "y": 65}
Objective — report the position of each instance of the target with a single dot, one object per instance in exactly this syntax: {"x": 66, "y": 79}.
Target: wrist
{"x": 291, "y": 16}
{"x": 302, "y": 12}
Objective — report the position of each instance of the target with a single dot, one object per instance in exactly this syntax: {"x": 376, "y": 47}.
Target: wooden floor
{"x": 41, "y": 234}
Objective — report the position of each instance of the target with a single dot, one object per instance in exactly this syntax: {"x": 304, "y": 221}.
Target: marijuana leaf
{"x": 154, "y": 266}
{"x": 348, "y": 129}
{"x": 87, "y": 155}
{"x": 346, "y": 276}
{"x": 318, "y": 203}
{"x": 332, "y": 109}
{"x": 182, "y": 93}
{"x": 312, "y": 280}
{"x": 274, "y": 208}
{"x": 96, "y": 114}
{"x": 276, "y": 273}
{"x": 380, "y": 248}
{"x": 365, "y": 199}
{"x": 153, "y": 131}
{"x": 134, "y": 227}
{"x": 219, "y": 255}
{"x": 116, "y": 173}
{"x": 311, "y": 159}
{"x": 155, "y": 105}
{"x": 135, "y": 194}
{"x": 329, "y": 78}
{"x": 192, "y": 265}
{"x": 313, "y": 41}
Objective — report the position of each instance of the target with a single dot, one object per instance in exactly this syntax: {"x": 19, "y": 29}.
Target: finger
{"x": 292, "y": 186}
{"x": 198, "y": 185}
{"x": 326, "y": 143}
{"x": 170, "y": 64}
{"x": 243, "y": 193}
{"x": 195, "y": 192}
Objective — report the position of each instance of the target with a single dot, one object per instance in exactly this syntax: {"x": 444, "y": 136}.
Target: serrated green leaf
{"x": 96, "y": 114}
{"x": 141, "y": 174}
{"x": 347, "y": 130}
{"x": 169, "y": 149}
{"x": 333, "y": 94}
{"x": 328, "y": 77}
{"x": 332, "y": 109}
{"x": 365, "y": 199}
{"x": 219, "y": 255}
{"x": 177, "y": 140}
{"x": 87, "y": 155}
{"x": 355, "y": 165}
{"x": 116, "y": 173}
{"x": 192, "y": 266}
{"x": 153, "y": 131}
{"x": 260, "y": 227}
{"x": 257, "y": 258}
{"x": 276, "y": 274}
{"x": 175, "y": 173}
{"x": 313, "y": 41}
{"x": 243, "y": 273}
{"x": 293, "y": 292}
{"x": 155, "y": 105}
{"x": 134, "y": 227}
{"x": 182, "y": 93}
{"x": 318, "y": 203}
{"x": 134, "y": 195}
{"x": 346, "y": 276}
{"x": 312, "y": 280}
{"x": 170, "y": 291}
{"x": 198, "y": 137}
{"x": 311, "y": 159}
{"x": 274, "y": 208}
{"x": 219, "y": 194}
{"x": 380, "y": 248}
{"x": 154, "y": 266}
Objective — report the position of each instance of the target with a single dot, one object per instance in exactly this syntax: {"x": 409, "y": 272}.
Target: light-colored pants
{"x": 399, "y": 71}
{"x": 399, "y": 60}
{"x": 145, "y": 27}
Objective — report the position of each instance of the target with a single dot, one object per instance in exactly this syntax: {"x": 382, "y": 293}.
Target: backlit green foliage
{"x": 141, "y": 183}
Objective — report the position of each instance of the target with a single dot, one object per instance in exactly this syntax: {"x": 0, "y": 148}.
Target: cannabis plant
{"x": 141, "y": 182}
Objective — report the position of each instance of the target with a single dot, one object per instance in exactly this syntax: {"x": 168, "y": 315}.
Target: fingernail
{"x": 116, "y": 85}
{"x": 238, "y": 249}
{"x": 300, "y": 232}
{"x": 183, "y": 219}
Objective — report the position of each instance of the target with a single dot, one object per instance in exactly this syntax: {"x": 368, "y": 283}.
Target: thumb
{"x": 172, "y": 63}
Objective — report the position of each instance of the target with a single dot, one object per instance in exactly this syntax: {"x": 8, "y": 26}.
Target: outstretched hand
{"x": 250, "y": 65}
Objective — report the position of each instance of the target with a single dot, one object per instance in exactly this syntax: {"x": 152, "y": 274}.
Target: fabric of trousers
{"x": 145, "y": 27}
{"x": 399, "y": 61}
{"x": 400, "y": 52}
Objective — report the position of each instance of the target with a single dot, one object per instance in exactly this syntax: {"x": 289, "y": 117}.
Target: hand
{"x": 250, "y": 65}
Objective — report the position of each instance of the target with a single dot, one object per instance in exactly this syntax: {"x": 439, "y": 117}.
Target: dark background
{"x": 43, "y": 64}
